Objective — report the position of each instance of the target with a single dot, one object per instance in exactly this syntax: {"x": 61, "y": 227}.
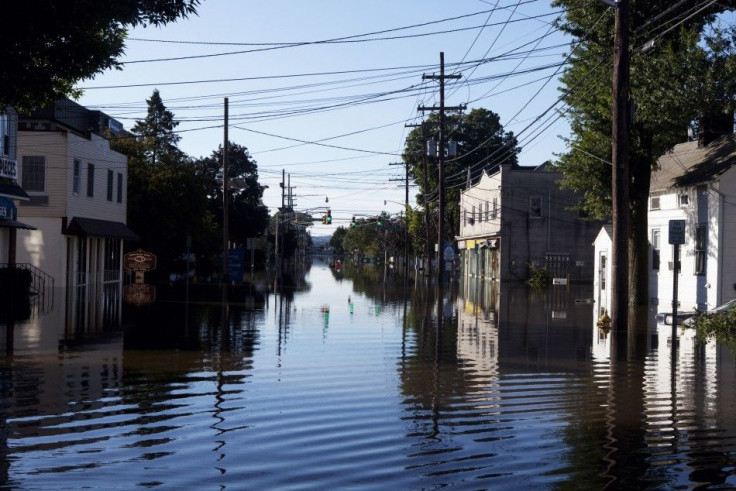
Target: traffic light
{"x": 329, "y": 216}
{"x": 352, "y": 222}
{"x": 378, "y": 221}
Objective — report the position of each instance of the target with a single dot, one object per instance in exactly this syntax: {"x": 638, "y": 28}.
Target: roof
{"x": 91, "y": 227}
{"x": 5, "y": 223}
{"x": 688, "y": 164}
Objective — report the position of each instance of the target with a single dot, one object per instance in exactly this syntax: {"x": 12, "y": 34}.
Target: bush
{"x": 719, "y": 325}
{"x": 538, "y": 277}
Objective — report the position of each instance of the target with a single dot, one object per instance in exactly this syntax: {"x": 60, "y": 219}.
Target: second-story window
{"x": 488, "y": 211}
{"x": 655, "y": 249}
{"x": 654, "y": 203}
{"x": 110, "y": 182}
{"x": 700, "y": 244}
{"x": 494, "y": 213}
{"x": 34, "y": 173}
{"x": 91, "y": 180}
{"x": 683, "y": 199}
{"x": 535, "y": 206}
{"x": 77, "y": 179}
{"x": 120, "y": 187}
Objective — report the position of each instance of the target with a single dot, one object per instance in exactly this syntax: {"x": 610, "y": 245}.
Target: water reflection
{"x": 366, "y": 378}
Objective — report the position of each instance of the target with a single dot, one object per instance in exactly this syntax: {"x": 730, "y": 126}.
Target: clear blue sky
{"x": 284, "y": 99}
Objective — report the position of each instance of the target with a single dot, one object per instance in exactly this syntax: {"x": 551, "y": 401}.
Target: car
{"x": 666, "y": 317}
{"x": 720, "y": 308}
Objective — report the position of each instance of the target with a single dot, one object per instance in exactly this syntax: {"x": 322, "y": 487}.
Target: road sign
{"x": 677, "y": 232}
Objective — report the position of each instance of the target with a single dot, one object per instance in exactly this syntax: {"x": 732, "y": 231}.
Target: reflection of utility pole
{"x": 620, "y": 171}
{"x": 441, "y": 159}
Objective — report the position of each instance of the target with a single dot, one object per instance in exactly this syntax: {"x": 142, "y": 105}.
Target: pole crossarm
{"x": 461, "y": 107}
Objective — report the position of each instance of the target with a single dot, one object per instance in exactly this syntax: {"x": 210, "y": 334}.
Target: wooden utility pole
{"x": 406, "y": 205}
{"x": 620, "y": 170}
{"x": 440, "y": 162}
{"x": 225, "y": 201}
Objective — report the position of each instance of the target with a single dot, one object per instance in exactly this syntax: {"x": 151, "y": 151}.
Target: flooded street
{"x": 361, "y": 379}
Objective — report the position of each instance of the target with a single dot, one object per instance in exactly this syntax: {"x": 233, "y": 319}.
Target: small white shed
{"x": 603, "y": 245}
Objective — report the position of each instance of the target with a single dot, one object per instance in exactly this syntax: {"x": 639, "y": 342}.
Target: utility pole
{"x": 406, "y": 205}
{"x": 441, "y": 160}
{"x": 620, "y": 168}
{"x": 225, "y": 202}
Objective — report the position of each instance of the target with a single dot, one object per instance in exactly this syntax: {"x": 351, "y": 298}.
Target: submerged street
{"x": 360, "y": 378}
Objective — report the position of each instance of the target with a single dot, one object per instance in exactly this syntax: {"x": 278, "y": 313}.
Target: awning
{"x": 91, "y": 227}
{"x": 15, "y": 224}
{"x": 9, "y": 189}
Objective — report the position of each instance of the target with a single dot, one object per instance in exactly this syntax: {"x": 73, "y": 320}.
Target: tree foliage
{"x": 166, "y": 197}
{"x": 687, "y": 76}
{"x": 482, "y": 144}
{"x": 248, "y": 216}
{"x": 50, "y": 46}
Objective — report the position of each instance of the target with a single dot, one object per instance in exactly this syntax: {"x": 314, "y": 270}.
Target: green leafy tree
{"x": 248, "y": 216}
{"x": 482, "y": 144}
{"x": 336, "y": 241}
{"x": 50, "y": 46}
{"x": 688, "y": 76}
{"x": 167, "y": 199}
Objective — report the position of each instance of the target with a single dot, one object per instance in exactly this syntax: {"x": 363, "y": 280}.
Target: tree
{"x": 157, "y": 132}
{"x": 248, "y": 216}
{"x": 48, "y": 47}
{"x": 688, "y": 76}
{"x": 336, "y": 241}
{"x": 482, "y": 144}
{"x": 167, "y": 199}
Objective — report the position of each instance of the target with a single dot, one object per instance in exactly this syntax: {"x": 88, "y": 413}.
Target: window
{"x": 110, "y": 182}
{"x": 654, "y": 203}
{"x": 472, "y": 216}
{"x": 655, "y": 249}
{"x": 535, "y": 206}
{"x": 76, "y": 183}
{"x": 700, "y": 244}
{"x": 488, "y": 211}
{"x": 120, "y": 187}
{"x": 494, "y": 213}
{"x": 4, "y": 134}
{"x": 34, "y": 174}
{"x": 602, "y": 271}
{"x": 683, "y": 199}
{"x": 90, "y": 180}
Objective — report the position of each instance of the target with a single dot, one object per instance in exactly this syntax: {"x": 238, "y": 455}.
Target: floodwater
{"x": 359, "y": 378}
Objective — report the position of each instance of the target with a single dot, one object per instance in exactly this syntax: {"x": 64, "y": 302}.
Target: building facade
{"x": 518, "y": 218}
{"x": 77, "y": 187}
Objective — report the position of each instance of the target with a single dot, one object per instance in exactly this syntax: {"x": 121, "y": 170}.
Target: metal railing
{"x": 42, "y": 286}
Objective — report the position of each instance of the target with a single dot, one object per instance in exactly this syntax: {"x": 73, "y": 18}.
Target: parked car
{"x": 720, "y": 308}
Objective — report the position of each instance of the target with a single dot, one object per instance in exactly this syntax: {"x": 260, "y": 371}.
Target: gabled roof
{"x": 687, "y": 164}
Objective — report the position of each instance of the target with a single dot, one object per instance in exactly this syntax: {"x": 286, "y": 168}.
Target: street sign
{"x": 677, "y": 232}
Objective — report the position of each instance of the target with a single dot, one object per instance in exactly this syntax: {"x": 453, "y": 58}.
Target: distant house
{"x": 77, "y": 188}
{"x": 697, "y": 184}
{"x": 519, "y": 217}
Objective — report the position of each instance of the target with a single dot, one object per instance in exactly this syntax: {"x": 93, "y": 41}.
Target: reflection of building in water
{"x": 72, "y": 317}
{"x": 477, "y": 327}
{"x": 543, "y": 327}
